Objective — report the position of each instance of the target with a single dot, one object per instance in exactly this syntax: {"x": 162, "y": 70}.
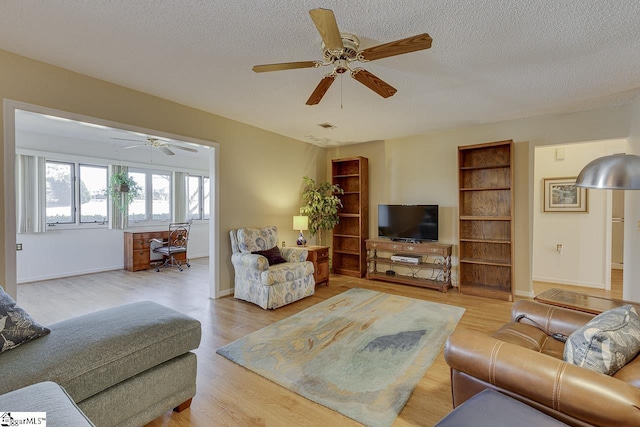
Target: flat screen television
{"x": 408, "y": 222}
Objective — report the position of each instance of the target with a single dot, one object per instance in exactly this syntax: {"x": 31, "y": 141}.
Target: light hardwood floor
{"x": 229, "y": 395}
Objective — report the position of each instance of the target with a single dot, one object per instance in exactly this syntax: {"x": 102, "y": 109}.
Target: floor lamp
{"x": 613, "y": 172}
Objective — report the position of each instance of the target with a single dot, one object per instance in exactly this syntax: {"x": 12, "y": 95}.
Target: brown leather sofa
{"x": 524, "y": 361}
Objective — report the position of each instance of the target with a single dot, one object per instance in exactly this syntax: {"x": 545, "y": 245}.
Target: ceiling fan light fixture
{"x": 349, "y": 51}
{"x": 613, "y": 172}
{"x": 340, "y": 49}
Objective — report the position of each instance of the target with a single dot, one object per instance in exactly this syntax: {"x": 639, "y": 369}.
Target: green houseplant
{"x": 123, "y": 190}
{"x": 321, "y": 205}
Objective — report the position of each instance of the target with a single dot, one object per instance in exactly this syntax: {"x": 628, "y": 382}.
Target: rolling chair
{"x": 176, "y": 244}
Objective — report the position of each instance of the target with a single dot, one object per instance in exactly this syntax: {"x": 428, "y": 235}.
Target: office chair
{"x": 176, "y": 244}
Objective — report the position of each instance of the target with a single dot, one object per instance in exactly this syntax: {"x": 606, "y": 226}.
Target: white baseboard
{"x": 569, "y": 282}
{"x": 527, "y": 294}
{"x": 226, "y": 292}
{"x": 22, "y": 281}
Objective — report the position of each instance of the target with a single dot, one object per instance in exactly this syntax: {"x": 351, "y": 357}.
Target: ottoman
{"x": 492, "y": 409}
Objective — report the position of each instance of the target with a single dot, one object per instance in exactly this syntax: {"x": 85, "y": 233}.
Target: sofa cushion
{"x": 16, "y": 326}
{"x": 90, "y": 353}
{"x": 607, "y": 342}
{"x": 272, "y": 255}
{"x": 257, "y": 239}
{"x": 286, "y": 272}
{"x": 46, "y": 397}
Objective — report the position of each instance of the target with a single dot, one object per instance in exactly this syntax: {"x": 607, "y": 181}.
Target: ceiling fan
{"x": 161, "y": 144}
{"x": 341, "y": 49}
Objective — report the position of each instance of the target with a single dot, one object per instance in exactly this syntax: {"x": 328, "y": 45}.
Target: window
{"x": 138, "y": 208}
{"x": 60, "y": 198}
{"x": 65, "y": 193}
{"x": 194, "y": 187}
{"x": 154, "y": 204}
{"x": 93, "y": 194}
{"x": 205, "y": 197}
{"x": 197, "y": 197}
{"x": 161, "y": 188}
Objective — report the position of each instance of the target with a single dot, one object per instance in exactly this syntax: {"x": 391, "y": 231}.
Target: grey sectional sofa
{"x": 123, "y": 366}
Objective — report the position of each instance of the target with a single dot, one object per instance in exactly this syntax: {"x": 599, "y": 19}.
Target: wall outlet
{"x": 18, "y": 246}
{"x": 559, "y": 248}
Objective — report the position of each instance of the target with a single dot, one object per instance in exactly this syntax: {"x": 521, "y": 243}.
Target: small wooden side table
{"x": 319, "y": 256}
{"x": 581, "y": 302}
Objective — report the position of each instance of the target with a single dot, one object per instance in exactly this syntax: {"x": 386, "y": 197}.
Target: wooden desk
{"x": 137, "y": 249}
{"x": 581, "y": 302}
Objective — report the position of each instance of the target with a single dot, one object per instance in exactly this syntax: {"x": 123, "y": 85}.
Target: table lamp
{"x": 301, "y": 223}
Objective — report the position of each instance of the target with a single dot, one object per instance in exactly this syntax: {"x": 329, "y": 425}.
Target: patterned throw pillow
{"x": 607, "y": 343}
{"x": 16, "y": 326}
{"x": 272, "y": 255}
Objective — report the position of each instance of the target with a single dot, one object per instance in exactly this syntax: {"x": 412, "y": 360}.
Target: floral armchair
{"x": 266, "y": 275}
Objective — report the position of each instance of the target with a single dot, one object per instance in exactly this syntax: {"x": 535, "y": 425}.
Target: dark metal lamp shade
{"x": 614, "y": 172}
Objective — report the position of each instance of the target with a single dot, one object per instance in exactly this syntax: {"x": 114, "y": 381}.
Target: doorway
{"x": 617, "y": 230}
{"x": 574, "y": 248}
{"x": 92, "y": 126}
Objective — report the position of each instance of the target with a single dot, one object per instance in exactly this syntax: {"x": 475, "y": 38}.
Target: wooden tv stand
{"x": 439, "y": 264}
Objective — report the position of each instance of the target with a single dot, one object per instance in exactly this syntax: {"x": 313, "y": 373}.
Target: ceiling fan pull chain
{"x": 341, "y": 106}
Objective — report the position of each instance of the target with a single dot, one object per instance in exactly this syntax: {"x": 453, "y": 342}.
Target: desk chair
{"x": 176, "y": 244}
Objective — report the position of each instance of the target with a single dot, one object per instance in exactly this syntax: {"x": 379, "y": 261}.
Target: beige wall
{"x": 631, "y": 288}
{"x": 260, "y": 172}
{"x": 585, "y": 259}
{"x": 423, "y": 169}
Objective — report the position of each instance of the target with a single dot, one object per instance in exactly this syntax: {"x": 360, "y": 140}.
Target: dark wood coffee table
{"x": 581, "y": 302}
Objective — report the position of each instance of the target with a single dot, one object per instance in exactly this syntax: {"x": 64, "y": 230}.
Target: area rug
{"x": 360, "y": 353}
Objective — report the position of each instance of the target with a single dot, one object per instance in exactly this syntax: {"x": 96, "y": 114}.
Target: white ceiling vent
{"x": 326, "y": 125}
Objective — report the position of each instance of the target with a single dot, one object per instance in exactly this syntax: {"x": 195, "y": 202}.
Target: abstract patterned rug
{"x": 360, "y": 353}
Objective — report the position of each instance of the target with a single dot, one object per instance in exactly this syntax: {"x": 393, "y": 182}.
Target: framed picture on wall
{"x": 562, "y": 195}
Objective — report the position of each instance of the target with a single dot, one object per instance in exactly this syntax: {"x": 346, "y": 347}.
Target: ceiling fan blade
{"x": 166, "y": 151}
{"x": 133, "y": 146}
{"x": 179, "y": 147}
{"x": 321, "y": 89}
{"x": 398, "y": 47}
{"x": 285, "y": 66}
{"x": 373, "y": 82}
{"x": 127, "y": 139}
{"x": 327, "y": 26}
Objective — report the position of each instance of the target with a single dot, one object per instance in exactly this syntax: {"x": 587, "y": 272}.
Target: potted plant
{"x": 321, "y": 205}
{"x": 123, "y": 190}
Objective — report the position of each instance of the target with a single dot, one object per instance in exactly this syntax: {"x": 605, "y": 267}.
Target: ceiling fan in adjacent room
{"x": 158, "y": 143}
{"x": 341, "y": 49}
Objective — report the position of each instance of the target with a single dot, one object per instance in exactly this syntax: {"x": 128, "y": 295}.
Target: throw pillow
{"x": 607, "y": 342}
{"x": 16, "y": 326}
{"x": 272, "y": 255}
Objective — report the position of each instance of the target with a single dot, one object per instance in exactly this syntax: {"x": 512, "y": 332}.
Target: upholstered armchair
{"x": 523, "y": 360}
{"x": 266, "y": 275}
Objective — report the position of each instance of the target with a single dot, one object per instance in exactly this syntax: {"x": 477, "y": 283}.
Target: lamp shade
{"x": 614, "y": 172}
{"x": 300, "y": 223}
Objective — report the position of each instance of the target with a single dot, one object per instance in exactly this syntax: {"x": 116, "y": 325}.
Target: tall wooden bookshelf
{"x": 351, "y": 233}
{"x": 486, "y": 219}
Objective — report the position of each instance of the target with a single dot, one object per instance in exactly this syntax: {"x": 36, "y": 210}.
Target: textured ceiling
{"x": 490, "y": 60}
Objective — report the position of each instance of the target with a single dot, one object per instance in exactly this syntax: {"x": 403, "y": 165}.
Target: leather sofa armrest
{"x": 549, "y": 318}
{"x": 578, "y": 392}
